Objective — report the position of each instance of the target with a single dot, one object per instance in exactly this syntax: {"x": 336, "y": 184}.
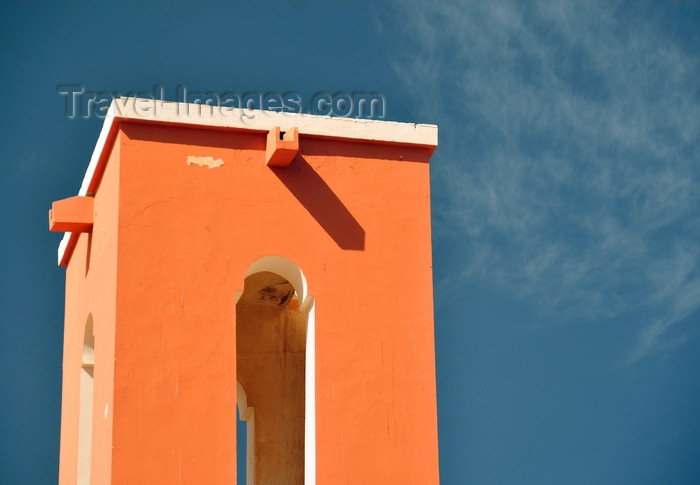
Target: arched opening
{"x": 273, "y": 315}
{"x": 86, "y": 398}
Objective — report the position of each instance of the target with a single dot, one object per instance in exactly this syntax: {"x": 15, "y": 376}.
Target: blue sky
{"x": 565, "y": 192}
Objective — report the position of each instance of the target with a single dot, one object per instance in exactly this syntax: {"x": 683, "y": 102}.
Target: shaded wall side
{"x": 91, "y": 281}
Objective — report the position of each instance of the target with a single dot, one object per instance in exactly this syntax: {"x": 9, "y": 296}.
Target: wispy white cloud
{"x": 568, "y": 154}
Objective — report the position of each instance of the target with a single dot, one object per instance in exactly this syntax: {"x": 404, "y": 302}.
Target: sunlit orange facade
{"x": 288, "y": 259}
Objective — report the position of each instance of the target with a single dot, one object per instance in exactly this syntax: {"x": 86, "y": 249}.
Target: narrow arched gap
{"x": 241, "y": 451}
{"x": 86, "y": 403}
{"x": 245, "y": 438}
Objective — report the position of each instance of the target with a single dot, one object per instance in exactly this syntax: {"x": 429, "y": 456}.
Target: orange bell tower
{"x": 274, "y": 262}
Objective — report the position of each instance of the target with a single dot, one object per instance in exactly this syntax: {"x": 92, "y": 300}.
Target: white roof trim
{"x": 151, "y": 110}
{"x": 96, "y": 153}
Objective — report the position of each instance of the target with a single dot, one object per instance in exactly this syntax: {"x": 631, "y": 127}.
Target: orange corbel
{"x": 281, "y": 147}
{"x": 74, "y": 214}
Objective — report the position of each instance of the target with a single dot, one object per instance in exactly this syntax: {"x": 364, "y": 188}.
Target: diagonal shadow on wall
{"x": 324, "y": 206}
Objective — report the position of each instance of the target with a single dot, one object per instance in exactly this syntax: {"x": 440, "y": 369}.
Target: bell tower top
{"x": 273, "y": 261}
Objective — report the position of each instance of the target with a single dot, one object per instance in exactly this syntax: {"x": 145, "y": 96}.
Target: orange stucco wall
{"x": 91, "y": 288}
{"x": 170, "y": 247}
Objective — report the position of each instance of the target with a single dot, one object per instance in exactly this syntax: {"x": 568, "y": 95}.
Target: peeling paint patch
{"x": 209, "y": 162}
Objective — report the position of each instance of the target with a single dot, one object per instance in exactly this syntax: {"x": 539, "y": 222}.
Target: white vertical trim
{"x": 310, "y": 394}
